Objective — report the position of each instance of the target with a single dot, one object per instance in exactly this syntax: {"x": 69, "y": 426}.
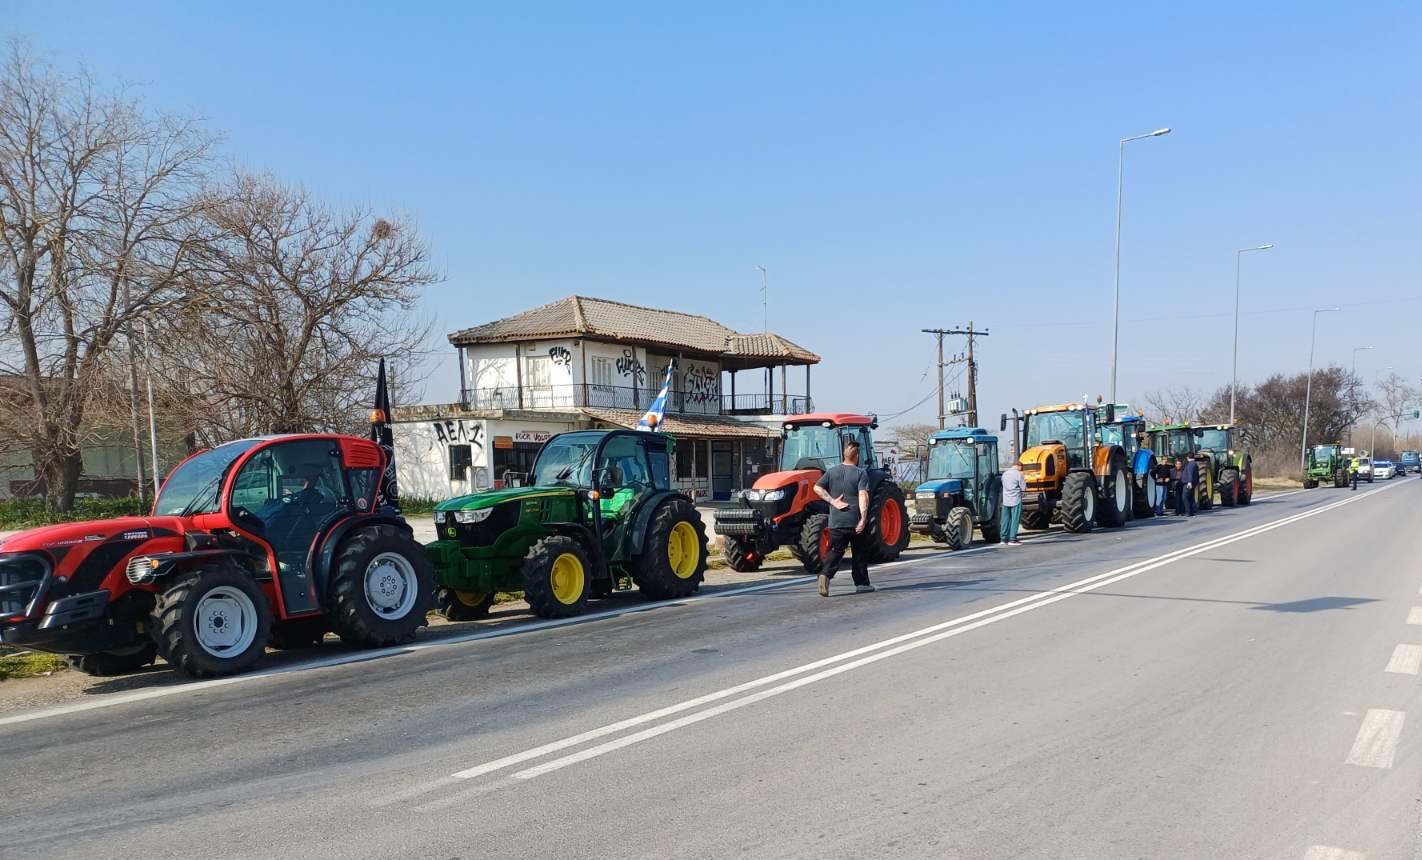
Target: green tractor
{"x": 1327, "y": 463}
{"x": 1182, "y": 440}
{"x": 1233, "y": 468}
{"x": 599, "y": 510}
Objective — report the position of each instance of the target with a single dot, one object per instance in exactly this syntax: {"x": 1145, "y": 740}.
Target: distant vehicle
{"x": 1365, "y": 469}
{"x": 1384, "y": 470}
{"x": 1411, "y": 461}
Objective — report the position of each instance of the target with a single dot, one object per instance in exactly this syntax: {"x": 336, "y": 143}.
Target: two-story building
{"x": 587, "y": 363}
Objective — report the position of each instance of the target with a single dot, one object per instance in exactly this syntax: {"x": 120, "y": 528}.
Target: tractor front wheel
{"x": 1229, "y": 487}
{"x": 741, "y": 557}
{"x": 1078, "y": 507}
{"x": 1117, "y": 507}
{"x": 119, "y": 662}
{"x": 814, "y": 542}
{"x": 959, "y": 528}
{"x": 1310, "y": 483}
{"x": 557, "y": 577}
{"x": 1246, "y": 484}
{"x": 1144, "y": 499}
{"x": 887, "y": 522}
{"x": 458, "y": 605}
{"x": 673, "y": 559}
{"x": 211, "y": 622}
{"x": 1036, "y": 517}
{"x": 382, "y": 589}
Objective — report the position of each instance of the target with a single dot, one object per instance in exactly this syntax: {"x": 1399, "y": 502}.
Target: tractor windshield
{"x": 1214, "y": 439}
{"x": 1111, "y": 434}
{"x": 196, "y": 485}
{"x": 566, "y": 461}
{"x": 1068, "y": 428}
{"x": 951, "y": 460}
{"x": 811, "y": 446}
{"x": 1324, "y": 453}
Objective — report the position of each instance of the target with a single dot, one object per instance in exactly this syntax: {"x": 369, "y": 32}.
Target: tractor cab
{"x": 817, "y": 441}
{"x": 1072, "y": 473}
{"x": 1327, "y": 464}
{"x": 1121, "y": 427}
{"x": 963, "y": 490}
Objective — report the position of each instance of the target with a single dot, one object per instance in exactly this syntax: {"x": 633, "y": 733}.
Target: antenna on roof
{"x": 764, "y": 300}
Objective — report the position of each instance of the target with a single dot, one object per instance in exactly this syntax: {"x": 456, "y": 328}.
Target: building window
{"x": 461, "y": 458}
{"x": 601, "y": 372}
{"x": 538, "y": 371}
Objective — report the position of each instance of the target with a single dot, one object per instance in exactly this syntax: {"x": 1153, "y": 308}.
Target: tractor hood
{"x": 789, "y": 478}
{"x": 492, "y": 498}
{"x": 943, "y": 485}
{"x": 64, "y": 536}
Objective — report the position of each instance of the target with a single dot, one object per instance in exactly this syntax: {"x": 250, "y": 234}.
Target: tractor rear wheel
{"x": 1078, "y": 507}
{"x": 557, "y": 577}
{"x": 1246, "y": 483}
{"x": 959, "y": 528}
{"x": 298, "y": 634}
{"x": 211, "y": 622}
{"x": 673, "y": 559}
{"x": 741, "y": 557}
{"x": 1116, "y": 506}
{"x": 992, "y": 529}
{"x": 119, "y": 662}
{"x": 382, "y": 588}
{"x": 814, "y": 542}
{"x": 1229, "y": 487}
{"x": 1340, "y": 478}
{"x": 887, "y": 522}
{"x": 458, "y": 605}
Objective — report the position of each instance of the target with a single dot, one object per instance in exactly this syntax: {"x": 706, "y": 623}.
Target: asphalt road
{"x": 1244, "y": 684}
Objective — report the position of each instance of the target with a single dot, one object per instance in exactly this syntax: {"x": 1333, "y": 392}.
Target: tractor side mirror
{"x": 1002, "y": 425}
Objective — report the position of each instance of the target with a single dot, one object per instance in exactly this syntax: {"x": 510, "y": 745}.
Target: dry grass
{"x": 30, "y": 665}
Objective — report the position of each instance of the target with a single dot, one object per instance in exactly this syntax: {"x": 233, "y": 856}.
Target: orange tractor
{"x": 1072, "y": 475}
{"x": 782, "y": 509}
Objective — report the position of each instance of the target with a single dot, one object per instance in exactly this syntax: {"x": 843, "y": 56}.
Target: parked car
{"x": 1411, "y": 461}
{"x": 1365, "y": 469}
{"x": 1383, "y": 470}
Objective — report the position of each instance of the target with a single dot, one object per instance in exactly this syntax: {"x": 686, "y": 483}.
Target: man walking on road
{"x": 846, "y": 488}
{"x": 1189, "y": 477}
{"x": 1013, "y": 488}
{"x": 1163, "y": 476}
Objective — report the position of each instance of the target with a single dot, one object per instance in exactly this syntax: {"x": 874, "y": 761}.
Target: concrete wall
{"x": 422, "y": 451}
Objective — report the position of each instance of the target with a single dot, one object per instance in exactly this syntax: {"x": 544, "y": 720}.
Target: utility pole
{"x": 971, "y": 334}
{"x": 764, "y": 299}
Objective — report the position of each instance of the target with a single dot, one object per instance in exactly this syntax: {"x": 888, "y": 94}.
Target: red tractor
{"x": 274, "y": 540}
{"x": 782, "y": 508}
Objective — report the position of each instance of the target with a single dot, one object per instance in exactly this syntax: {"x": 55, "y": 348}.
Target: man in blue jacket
{"x": 1189, "y": 477}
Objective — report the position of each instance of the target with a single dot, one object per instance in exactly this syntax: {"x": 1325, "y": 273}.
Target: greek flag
{"x": 652, "y": 418}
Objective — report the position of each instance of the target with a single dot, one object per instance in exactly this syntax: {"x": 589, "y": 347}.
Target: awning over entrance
{"x": 686, "y": 426}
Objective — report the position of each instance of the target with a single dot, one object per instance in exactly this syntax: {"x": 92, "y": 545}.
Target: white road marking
{"x": 1325, "y": 852}
{"x": 1376, "y": 743}
{"x": 875, "y": 652}
{"x": 1406, "y": 660}
{"x": 1414, "y": 616}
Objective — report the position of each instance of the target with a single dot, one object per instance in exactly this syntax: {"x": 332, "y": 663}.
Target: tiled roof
{"x": 690, "y": 426}
{"x": 579, "y": 316}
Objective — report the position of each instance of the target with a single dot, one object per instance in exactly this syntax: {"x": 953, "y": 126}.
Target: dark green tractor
{"x": 1327, "y": 464}
{"x": 599, "y": 510}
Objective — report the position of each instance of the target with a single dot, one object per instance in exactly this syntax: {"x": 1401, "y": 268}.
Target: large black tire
{"x": 887, "y": 522}
{"x": 298, "y": 634}
{"x": 673, "y": 559}
{"x": 557, "y": 577}
{"x": 1115, "y": 507}
{"x": 1143, "y": 499}
{"x": 225, "y": 604}
{"x": 1204, "y": 492}
{"x": 1229, "y": 487}
{"x": 1036, "y": 518}
{"x": 401, "y": 582}
{"x": 814, "y": 541}
{"x": 1310, "y": 483}
{"x": 740, "y": 557}
{"x": 119, "y": 662}
{"x": 457, "y": 605}
{"x": 958, "y": 531}
{"x": 992, "y": 529}
{"x": 1246, "y": 483}
{"x": 1078, "y": 507}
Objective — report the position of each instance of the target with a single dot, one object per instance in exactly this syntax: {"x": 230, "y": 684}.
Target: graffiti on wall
{"x": 458, "y": 431}
{"x": 702, "y": 385}
{"x": 561, "y": 355}
{"x": 630, "y": 367}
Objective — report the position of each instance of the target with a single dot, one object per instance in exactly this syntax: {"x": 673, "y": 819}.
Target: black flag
{"x": 382, "y": 434}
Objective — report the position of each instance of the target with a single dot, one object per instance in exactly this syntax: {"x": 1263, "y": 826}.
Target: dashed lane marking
{"x": 1406, "y": 660}
{"x": 1376, "y": 743}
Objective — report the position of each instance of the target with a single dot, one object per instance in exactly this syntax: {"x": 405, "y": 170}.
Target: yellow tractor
{"x": 1072, "y": 476}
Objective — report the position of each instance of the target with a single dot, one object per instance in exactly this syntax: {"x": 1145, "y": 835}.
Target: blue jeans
{"x": 1159, "y": 501}
{"x": 1011, "y": 519}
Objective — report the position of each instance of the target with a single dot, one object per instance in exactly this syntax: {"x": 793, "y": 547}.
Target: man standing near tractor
{"x": 1189, "y": 477}
{"x": 1355, "y": 466}
{"x": 846, "y": 488}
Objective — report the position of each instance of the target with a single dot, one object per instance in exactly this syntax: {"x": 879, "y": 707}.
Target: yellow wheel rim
{"x": 568, "y": 578}
{"x": 683, "y": 550}
{"x": 470, "y": 598}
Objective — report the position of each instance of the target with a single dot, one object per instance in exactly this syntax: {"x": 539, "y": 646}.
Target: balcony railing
{"x": 577, "y": 396}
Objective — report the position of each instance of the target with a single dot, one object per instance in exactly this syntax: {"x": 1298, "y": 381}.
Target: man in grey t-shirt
{"x": 846, "y": 488}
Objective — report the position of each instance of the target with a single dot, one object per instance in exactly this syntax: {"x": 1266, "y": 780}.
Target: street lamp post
{"x": 1356, "y": 350}
{"x": 1308, "y": 387}
{"x": 1234, "y": 373}
{"x": 1116, "y": 303}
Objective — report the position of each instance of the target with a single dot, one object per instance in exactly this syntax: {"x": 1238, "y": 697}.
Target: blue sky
{"x": 894, "y": 167}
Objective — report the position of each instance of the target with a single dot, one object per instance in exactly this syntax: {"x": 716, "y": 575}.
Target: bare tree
{"x": 94, "y": 218}
{"x": 1173, "y": 404}
{"x": 1398, "y": 400}
{"x": 291, "y": 307}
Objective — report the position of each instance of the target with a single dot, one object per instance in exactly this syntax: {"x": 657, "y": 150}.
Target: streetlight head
{"x": 1265, "y": 247}
{"x": 1158, "y": 132}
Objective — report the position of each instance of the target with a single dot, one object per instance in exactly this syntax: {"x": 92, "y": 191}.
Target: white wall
{"x": 422, "y": 456}
{"x": 629, "y": 371}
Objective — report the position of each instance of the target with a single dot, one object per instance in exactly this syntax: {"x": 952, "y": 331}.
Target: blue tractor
{"x": 963, "y": 490}
{"x": 1128, "y": 430}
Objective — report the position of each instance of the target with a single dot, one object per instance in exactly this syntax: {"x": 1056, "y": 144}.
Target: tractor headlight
{"x": 751, "y": 495}
{"x": 471, "y": 517}
{"x": 926, "y": 495}
{"x": 142, "y": 568}
{"x": 772, "y": 495}
{"x": 438, "y": 517}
